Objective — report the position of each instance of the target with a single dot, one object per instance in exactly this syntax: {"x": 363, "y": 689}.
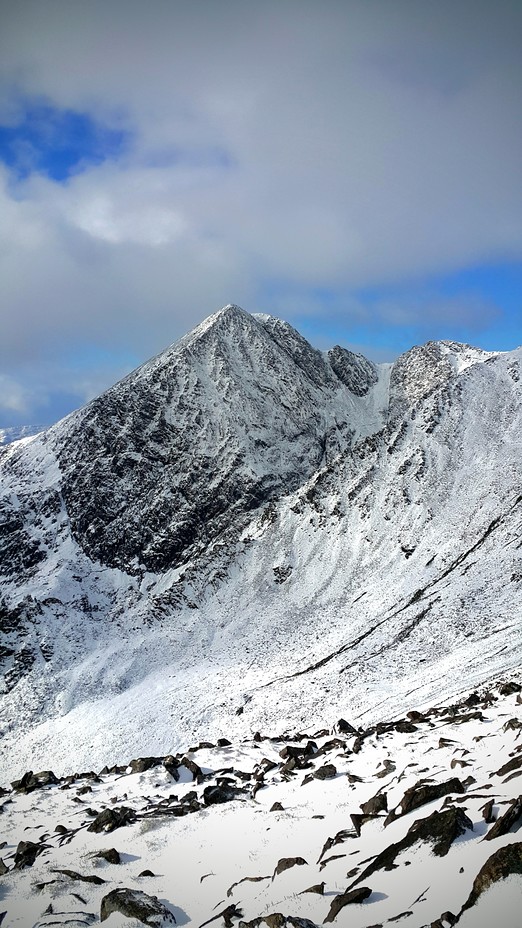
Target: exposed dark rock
{"x": 317, "y": 888}
{"x": 286, "y": 862}
{"x": 110, "y": 819}
{"x": 141, "y": 764}
{"x": 247, "y": 879}
{"x": 136, "y": 904}
{"x": 487, "y": 812}
{"x": 509, "y": 688}
{"x": 276, "y": 807}
{"x": 227, "y": 914}
{"x": 217, "y": 794}
{"x": 439, "y": 829}
{"x": 421, "y": 793}
{"x": 349, "y": 897}
{"x": 511, "y": 765}
{"x": 92, "y": 878}
{"x": 197, "y": 773}
{"x": 223, "y": 743}
{"x": 505, "y": 861}
{"x": 111, "y": 855}
{"x": 506, "y": 822}
{"x": 146, "y": 873}
{"x": 378, "y": 803}
{"x": 339, "y": 838}
{"x": 405, "y": 728}
{"x": 332, "y": 745}
{"x": 3, "y": 867}
{"x": 326, "y": 772}
{"x": 31, "y": 781}
{"x": 512, "y": 725}
{"x": 26, "y": 854}
{"x": 344, "y": 727}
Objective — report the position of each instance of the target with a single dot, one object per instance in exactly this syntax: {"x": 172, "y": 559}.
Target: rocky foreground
{"x": 409, "y": 822}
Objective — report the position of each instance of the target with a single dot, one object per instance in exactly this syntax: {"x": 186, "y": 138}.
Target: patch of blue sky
{"x": 57, "y": 142}
{"x": 480, "y": 305}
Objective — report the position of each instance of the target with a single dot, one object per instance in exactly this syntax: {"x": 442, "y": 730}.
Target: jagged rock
{"x": 111, "y": 855}
{"x": 31, "y": 781}
{"x": 378, "y": 803}
{"x": 91, "y": 878}
{"x": 332, "y": 745}
{"x": 246, "y": 879}
{"x": 421, "y": 793}
{"x": 326, "y": 772}
{"x": 197, "y": 773}
{"x": 297, "y": 751}
{"x": 439, "y": 829}
{"x": 217, "y": 794}
{"x": 511, "y": 765}
{"x": 26, "y": 854}
{"x": 317, "y": 888}
{"x": 487, "y": 812}
{"x": 331, "y": 842}
{"x": 136, "y": 904}
{"x": 349, "y": 897}
{"x": 286, "y": 862}
{"x": 224, "y": 743}
{"x": 506, "y": 822}
{"x": 3, "y": 868}
{"x": 509, "y": 688}
{"x": 344, "y": 727}
{"x": 141, "y": 764}
{"x": 276, "y": 807}
{"x": 405, "y": 728}
{"x": 110, "y": 819}
{"x": 512, "y": 725}
{"x": 505, "y": 861}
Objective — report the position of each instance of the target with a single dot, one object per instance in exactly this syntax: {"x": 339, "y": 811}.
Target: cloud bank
{"x": 271, "y": 152}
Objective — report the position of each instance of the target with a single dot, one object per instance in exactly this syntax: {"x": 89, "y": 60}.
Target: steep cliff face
{"x": 247, "y": 522}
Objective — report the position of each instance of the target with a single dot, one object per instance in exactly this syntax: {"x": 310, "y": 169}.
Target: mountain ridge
{"x": 338, "y": 552}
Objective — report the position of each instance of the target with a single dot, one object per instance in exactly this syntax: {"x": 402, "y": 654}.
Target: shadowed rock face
{"x": 233, "y": 416}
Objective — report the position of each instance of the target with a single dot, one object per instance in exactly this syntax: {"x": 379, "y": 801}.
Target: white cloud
{"x": 333, "y": 145}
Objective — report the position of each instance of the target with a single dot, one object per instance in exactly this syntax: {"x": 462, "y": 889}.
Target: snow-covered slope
{"x": 247, "y": 531}
{"x": 413, "y": 823}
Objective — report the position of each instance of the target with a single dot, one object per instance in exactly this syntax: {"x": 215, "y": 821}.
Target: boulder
{"x": 421, "y": 793}
{"x": 349, "y": 897}
{"x": 111, "y": 855}
{"x": 326, "y": 772}
{"x": 378, "y": 803}
{"x": 506, "y": 822}
{"x": 141, "y": 764}
{"x": 286, "y": 862}
{"x": 217, "y": 794}
{"x": 110, "y": 819}
{"x": 136, "y": 904}
{"x": 26, "y": 854}
{"x": 505, "y": 861}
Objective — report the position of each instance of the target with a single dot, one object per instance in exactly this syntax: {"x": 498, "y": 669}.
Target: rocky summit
{"x": 249, "y": 535}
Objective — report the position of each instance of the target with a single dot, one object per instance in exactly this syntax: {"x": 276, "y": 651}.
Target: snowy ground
{"x": 204, "y": 861}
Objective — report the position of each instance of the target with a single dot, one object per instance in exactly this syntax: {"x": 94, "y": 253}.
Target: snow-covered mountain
{"x": 247, "y": 533}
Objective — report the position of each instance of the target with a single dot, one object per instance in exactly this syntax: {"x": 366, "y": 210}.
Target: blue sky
{"x": 350, "y": 167}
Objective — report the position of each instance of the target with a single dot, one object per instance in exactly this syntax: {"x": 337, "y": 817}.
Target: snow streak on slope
{"x": 246, "y": 530}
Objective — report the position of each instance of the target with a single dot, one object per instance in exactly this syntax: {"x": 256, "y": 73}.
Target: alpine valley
{"x": 268, "y": 599}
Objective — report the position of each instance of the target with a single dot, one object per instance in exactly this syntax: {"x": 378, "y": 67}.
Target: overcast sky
{"x": 351, "y": 166}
